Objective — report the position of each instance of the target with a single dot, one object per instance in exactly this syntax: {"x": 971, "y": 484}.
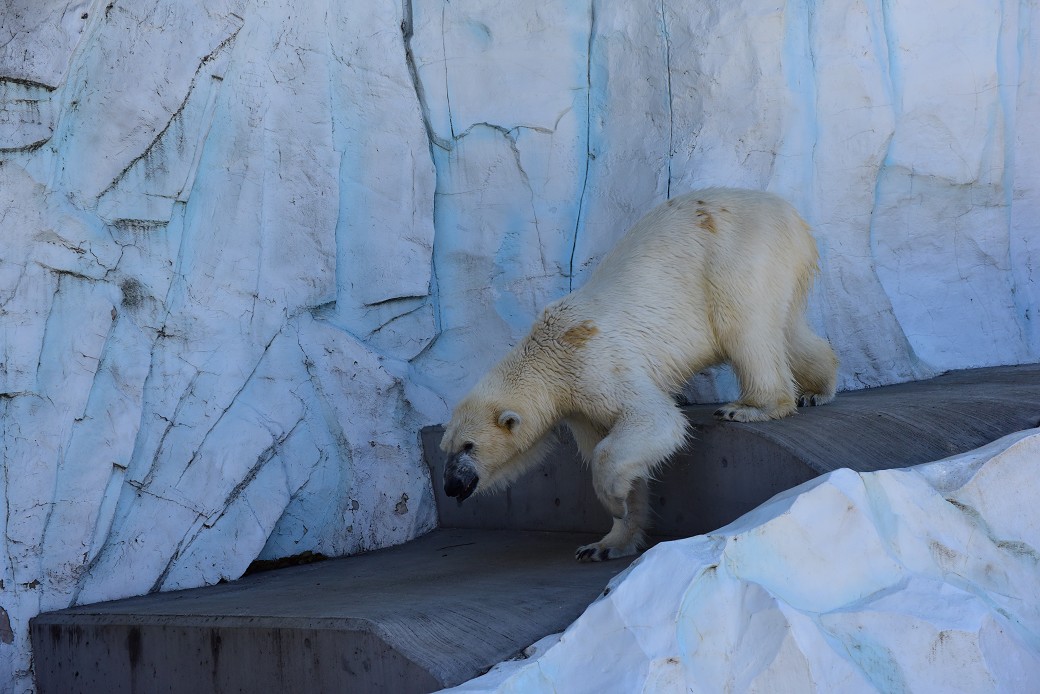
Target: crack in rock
{"x": 589, "y": 156}
{"x": 175, "y": 117}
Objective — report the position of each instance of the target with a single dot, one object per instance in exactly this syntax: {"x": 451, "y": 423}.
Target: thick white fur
{"x": 713, "y": 276}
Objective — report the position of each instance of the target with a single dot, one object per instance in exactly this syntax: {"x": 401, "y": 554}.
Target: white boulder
{"x": 921, "y": 579}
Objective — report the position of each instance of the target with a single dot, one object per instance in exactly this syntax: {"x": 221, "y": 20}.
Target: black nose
{"x": 460, "y": 478}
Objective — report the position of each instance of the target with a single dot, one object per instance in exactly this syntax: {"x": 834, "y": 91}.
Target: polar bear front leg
{"x": 628, "y": 532}
{"x": 621, "y": 466}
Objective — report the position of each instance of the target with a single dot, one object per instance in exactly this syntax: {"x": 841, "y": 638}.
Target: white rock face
{"x": 921, "y": 580}
{"x": 246, "y": 250}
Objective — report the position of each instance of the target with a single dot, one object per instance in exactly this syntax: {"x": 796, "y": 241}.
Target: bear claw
{"x": 735, "y": 412}
{"x": 812, "y": 400}
{"x": 590, "y": 553}
{"x": 598, "y": 552}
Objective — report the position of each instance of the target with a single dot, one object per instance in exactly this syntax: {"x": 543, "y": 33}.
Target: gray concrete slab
{"x": 730, "y": 468}
{"x": 432, "y": 613}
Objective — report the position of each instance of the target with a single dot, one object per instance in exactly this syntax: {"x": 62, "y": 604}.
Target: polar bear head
{"x": 503, "y": 426}
{"x": 482, "y": 441}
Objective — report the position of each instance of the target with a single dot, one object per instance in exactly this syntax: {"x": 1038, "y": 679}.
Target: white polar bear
{"x": 716, "y": 275}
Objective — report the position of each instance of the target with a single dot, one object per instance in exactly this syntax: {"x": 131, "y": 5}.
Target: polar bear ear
{"x": 509, "y": 420}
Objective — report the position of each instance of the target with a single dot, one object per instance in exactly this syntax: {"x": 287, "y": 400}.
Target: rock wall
{"x": 248, "y": 249}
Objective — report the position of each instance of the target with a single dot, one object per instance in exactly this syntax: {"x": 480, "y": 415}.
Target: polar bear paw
{"x": 813, "y": 399}
{"x": 598, "y": 551}
{"x": 736, "y": 412}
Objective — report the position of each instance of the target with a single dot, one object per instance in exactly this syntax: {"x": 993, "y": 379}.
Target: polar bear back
{"x": 681, "y": 280}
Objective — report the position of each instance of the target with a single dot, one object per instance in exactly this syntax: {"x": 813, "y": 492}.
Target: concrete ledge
{"x": 731, "y": 468}
{"x": 429, "y": 614}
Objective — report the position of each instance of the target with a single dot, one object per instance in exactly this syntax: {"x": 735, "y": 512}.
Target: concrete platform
{"x": 433, "y": 613}
{"x": 442, "y": 609}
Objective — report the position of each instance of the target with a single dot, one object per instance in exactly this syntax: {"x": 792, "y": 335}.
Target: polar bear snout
{"x": 460, "y": 477}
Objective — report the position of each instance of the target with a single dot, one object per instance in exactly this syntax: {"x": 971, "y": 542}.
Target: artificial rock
{"x": 920, "y": 579}
{"x": 248, "y": 249}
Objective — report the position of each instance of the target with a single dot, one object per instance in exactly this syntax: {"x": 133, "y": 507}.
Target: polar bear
{"x": 717, "y": 275}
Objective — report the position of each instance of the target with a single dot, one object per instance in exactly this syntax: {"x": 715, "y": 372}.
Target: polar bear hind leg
{"x": 813, "y": 363}
{"x": 766, "y": 385}
{"x": 755, "y": 343}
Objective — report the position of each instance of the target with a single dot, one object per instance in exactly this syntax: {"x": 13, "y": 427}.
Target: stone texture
{"x": 920, "y": 579}
{"x": 248, "y": 250}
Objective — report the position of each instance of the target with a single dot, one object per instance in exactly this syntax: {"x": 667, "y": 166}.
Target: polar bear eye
{"x": 467, "y": 447}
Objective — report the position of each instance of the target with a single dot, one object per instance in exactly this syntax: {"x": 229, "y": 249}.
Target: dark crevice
{"x": 208, "y": 522}
{"x": 263, "y": 459}
{"x": 158, "y": 584}
{"x": 588, "y": 145}
{"x": 668, "y": 76}
{"x": 26, "y": 149}
{"x": 377, "y": 329}
{"x": 394, "y": 300}
{"x": 28, "y": 83}
{"x": 447, "y": 87}
{"x": 234, "y": 398}
{"x": 407, "y": 31}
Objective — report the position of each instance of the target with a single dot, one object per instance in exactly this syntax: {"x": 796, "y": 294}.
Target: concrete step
{"x": 730, "y": 468}
{"x": 444, "y": 608}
